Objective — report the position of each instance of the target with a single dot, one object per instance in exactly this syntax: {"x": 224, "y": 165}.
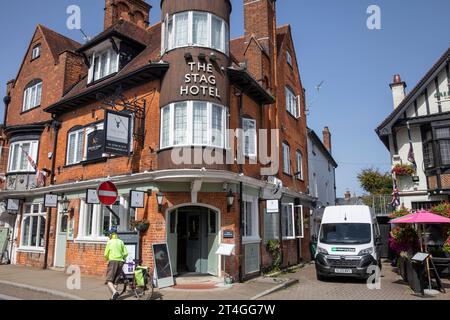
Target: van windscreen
{"x": 345, "y": 233}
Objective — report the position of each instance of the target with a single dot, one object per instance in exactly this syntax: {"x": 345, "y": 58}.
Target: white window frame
{"x": 32, "y": 97}
{"x": 76, "y": 133}
{"x": 248, "y": 133}
{"x": 286, "y": 149}
{"x": 95, "y": 234}
{"x": 36, "y": 53}
{"x": 33, "y": 152}
{"x": 41, "y": 213}
{"x": 292, "y": 103}
{"x": 190, "y": 125}
{"x": 94, "y": 70}
{"x": 168, "y": 38}
{"x": 299, "y": 165}
{"x": 291, "y": 216}
{"x": 254, "y": 237}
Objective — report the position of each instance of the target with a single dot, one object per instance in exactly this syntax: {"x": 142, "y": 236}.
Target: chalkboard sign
{"x": 4, "y": 232}
{"x": 162, "y": 265}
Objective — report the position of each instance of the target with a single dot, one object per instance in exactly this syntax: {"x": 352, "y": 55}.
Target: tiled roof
{"x": 123, "y": 28}
{"x": 57, "y": 42}
{"x": 150, "y": 53}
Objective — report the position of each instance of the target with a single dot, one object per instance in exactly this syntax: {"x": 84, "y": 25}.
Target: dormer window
{"x": 103, "y": 64}
{"x": 36, "y": 53}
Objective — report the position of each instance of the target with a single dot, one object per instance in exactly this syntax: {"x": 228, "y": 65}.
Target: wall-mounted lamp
{"x": 230, "y": 200}
{"x": 65, "y": 205}
{"x": 160, "y": 200}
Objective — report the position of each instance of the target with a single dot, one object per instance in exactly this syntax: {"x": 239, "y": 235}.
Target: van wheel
{"x": 320, "y": 277}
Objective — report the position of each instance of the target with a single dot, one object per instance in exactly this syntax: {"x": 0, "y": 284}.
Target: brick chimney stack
{"x": 134, "y": 11}
{"x": 260, "y": 21}
{"x": 327, "y": 139}
{"x": 398, "y": 90}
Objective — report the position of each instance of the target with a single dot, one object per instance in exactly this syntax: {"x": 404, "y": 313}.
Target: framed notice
{"x": 92, "y": 196}
{"x": 13, "y": 205}
{"x": 51, "y": 201}
{"x": 272, "y": 206}
{"x": 117, "y": 133}
{"x": 137, "y": 199}
{"x": 163, "y": 267}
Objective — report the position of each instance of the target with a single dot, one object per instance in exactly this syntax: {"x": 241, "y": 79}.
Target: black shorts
{"x": 114, "y": 271}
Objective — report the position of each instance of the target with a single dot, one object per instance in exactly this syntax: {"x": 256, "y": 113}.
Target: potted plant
{"x": 140, "y": 225}
{"x": 446, "y": 247}
{"x": 403, "y": 170}
{"x": 400, "y": 213}
{"x": 274, "y": 248}
{"x": 442, "y": 209}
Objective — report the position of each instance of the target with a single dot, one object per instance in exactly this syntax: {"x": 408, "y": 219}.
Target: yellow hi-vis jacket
{"x": 115, "y": 250}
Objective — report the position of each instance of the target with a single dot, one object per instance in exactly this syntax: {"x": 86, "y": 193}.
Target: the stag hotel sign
{"x": 200, "y": 80}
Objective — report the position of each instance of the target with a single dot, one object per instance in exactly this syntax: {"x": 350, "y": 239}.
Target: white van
{"x": 349, "y": 242}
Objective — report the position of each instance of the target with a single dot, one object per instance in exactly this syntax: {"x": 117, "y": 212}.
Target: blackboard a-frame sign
{"x": 163, "y": 268}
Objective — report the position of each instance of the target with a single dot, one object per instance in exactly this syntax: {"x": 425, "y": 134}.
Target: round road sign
{"x": 107, "y": 193}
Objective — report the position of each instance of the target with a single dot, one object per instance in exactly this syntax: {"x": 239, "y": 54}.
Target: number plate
{"x": 347, "y": 271}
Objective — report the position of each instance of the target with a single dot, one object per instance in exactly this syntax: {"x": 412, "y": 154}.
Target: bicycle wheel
{"x": 150, "y": 288}
{"x": 122, "y": 284}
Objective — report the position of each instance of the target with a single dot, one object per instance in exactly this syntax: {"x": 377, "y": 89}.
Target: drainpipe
{"x": 56, "y": 126}
{"x": 241, "y": 202}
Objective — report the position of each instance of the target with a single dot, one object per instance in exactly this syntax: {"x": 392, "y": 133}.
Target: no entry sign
{"x": 107, "y": 193}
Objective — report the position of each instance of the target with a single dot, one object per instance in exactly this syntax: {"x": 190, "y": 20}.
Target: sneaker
{"x": 115, "y": 296}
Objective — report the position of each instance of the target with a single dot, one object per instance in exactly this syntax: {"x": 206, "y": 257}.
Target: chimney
{"x": 347, "y": 195}
{"x": 398, "y": 90}
{"x": 134, "y": 11}
{"x": 327, "y": 138}
{"x": 260, "y": 22}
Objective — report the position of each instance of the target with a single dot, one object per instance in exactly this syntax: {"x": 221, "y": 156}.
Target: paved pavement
{"x": 308, "y": 288}
{"x": 54, "y": 284}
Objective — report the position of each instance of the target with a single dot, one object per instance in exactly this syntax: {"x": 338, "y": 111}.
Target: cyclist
{"x": 115, "y": 254}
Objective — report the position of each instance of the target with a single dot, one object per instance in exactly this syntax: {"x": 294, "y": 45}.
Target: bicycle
{"x": 126, "y": 281}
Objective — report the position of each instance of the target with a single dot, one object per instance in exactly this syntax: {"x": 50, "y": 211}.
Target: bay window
{"x": 33, "y": 226}
{"x": 103, "y": 63}
{"x": 195, "y": 28}
{"x": 22, "y": 155}
{"x": 32, "y": 95}
{"x": 193, "y": 123}
{"x": 249, "y": 128}
{"x": 292, "y": 103}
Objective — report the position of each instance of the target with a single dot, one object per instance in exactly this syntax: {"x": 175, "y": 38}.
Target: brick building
{"x": 187, "y": 89}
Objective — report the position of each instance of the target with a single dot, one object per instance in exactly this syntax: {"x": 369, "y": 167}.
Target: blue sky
{"x": 333, "y": 45}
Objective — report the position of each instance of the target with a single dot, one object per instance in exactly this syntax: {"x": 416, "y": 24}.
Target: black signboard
{"x": 117, "y": 133}
{"x": 95, "y": 145}
{"x": 162, "y": 265}
{"x": 228, "y": 234}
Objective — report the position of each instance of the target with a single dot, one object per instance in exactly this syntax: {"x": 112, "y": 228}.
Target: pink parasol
{"x": 424, "y": 217}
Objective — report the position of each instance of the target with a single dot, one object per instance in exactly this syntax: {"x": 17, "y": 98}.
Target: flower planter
{"x": 142, "y": 227}
{"x": 402, "y": 268}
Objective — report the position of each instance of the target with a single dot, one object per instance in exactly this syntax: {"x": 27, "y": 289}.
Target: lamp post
{"x": 230, "y": 200}
{"x": 160, "y": 200}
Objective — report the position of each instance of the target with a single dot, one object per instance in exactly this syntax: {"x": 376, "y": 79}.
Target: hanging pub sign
{"x": 95, "y": 144}
{"x": 117, "y": 133}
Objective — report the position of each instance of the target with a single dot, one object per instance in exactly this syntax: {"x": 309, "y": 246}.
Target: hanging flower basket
{"x": 403, "y": 170}
{"x": 141, "y": 226}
